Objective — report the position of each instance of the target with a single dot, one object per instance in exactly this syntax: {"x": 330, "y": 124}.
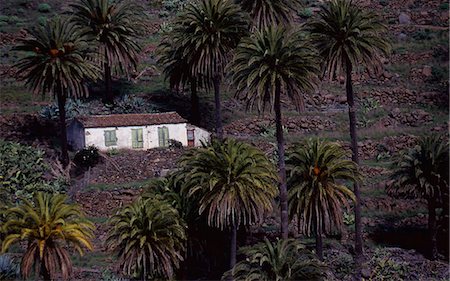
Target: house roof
{"x": 122, "y": 120}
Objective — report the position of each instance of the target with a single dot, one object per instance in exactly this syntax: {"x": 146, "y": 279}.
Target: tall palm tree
{"x": 316, "y": 192}
{"x": 148, "y": 236}
{"x": 116, "y": 26}
{"x": 285, "y": 259}
{"x": 271, "y": 63}
{"x": 235, "y": 182}
{"x": 48, "y": 225}
{"x": 210, "y": 29}
{"x": 422, "y": 172}
{"x": 177, "y": 68}
{"x": 265, "y": 13}
{"x": 347, "y": 35}
{"x": 57, "y": 63}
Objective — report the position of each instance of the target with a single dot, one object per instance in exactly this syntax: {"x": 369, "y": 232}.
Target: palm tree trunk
{"x": 354, "y": 142}
{"x": 219, "y": 129}
{"x": 319, "y": 242}
{"x": 432, "y": 229}
{"x": 195, "y": 107}
{"x": 44, "y": 272}
{"x": 62, "y": 127}
{"x": 108, "y": 95}
{"x": 281, "y": 163}
{"x": 233, "y": 246}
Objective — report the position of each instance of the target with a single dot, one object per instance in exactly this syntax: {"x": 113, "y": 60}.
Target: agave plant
{"x": 149, "y": 238}
{"x": 282, "y": 260}
{"x": 49, "y": 225}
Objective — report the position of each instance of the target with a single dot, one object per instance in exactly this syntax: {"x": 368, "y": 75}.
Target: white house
{"x": 133, "y": 131}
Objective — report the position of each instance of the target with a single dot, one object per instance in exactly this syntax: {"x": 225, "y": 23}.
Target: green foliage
{"x": 4, "y": 18}
{"x": 265, "y": 13}
{"x": 422, "y": 34}
{"x": 348, "y": 218}
{"x": 386, "y": 267}
{"x": 236, "y": 183}
{"x": 149, "y": 237}
{"x": 52, "y": 52}
{"x": 316, "y": 170}
{"x": 42, "y": 20}
{"x": 22, "y": 169}
{"x": 107, "y": 275}
{"x": 206, "y": 31}
{"x": 422, "y": 171}
{"x": 444, "y": 6}
{"x": 8, "y": 269}
{"x": 269, "y": 132}
{"x": 272, "y": 58}
{"x": 280, "y": 260}
{"x": 49, "y": 225}
{"x": 44, "y": 8}
{"x": 344, "y": 31}
{"x": 87, "y": 157}
{"x": 305, "y": 13}
{"x": 116, "y": 25}
{"x": 341, "y": 263}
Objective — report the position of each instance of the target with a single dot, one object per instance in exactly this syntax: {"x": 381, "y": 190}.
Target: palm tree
{"x": 265, "y": 13}
{"x": 347, "y": 35}
{"x": 316, "y": 192}
{"x": 235, "y": 183}
{"x": 210, "y": 29}
{"x": 148, "y": 236}
{"x": 271, "y": 63}
{"x": 285, "y": 259}
{"x": 177, "y": 69}
{"x": 57, "y": 63}
{"x": 422, "y": 172}
{"x": 48, "y": 225}
{"x": 116, "y": 26}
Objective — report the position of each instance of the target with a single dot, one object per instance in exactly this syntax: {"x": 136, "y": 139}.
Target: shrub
{"x": 14, "y": 19}
{"x": 42, "y": 20}
{"x": 4, "y": 18}
{"x": 22, "y": 168}
{"x": 386, "y": 267}
{"x": 44, "y": 8}
{"x": 87, "y": 157}
{"x": 444, "y": 6}
{"x": 175, "y": 143}
{"x": 305, "y": 13}
{"x": 8, "y": 269}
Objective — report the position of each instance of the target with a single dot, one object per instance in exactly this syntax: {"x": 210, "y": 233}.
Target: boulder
{"x": 427, "y": 71}
{"x": 404, "y": 18}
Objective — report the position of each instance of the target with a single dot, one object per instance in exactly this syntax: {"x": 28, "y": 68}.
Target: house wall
{"x": 200, "y": 135}
{"x": 75, "y": 135}
{"x": 95, "y": 136}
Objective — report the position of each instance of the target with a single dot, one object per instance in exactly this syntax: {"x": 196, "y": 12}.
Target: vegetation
{"x": 316, "y": 193}
{"x": 235, "y": 183}
{"x": 346, "y": 36}
{"x": 148, "y": 237}
{"x": 115, "y": 26}
{"x": 57, "y": 63}
{"x": 49, "y": 224}
{"x": 87, "y": 157}
{"x": 280, "y": 260}
{"x": 422, "y": 172}
{"x": 208, "y": 30}
{"x": 271, "y": 63}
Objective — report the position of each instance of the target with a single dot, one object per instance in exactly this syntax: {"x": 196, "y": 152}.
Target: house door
{"x": 191, "y": 137}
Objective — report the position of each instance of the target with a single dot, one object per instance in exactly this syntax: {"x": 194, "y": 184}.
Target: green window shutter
{"x": 160, "y": 137}
{"x": 110, "y": 138}
{"x": 137, "y": 138}
{"x": 166, "y": 136}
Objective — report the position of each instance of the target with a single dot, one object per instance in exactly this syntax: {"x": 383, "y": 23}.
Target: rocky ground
{"x": 406, "y": 98}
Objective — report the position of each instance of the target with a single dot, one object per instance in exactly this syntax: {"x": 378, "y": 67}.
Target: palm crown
{"x": 422, "y": 171}
{"x": 48, "y": 224}
{"x": 316, "y": 170}
{"x": 235, "y": 182}
{"x": 270, "y": 57}
{"x": 58, "y": 59}
{"x": 210, "y": 29}
{"x": 285, "y": 259}
{"x": 265, "y": 13}
{"x": 345, "y": 33}
{"x": 149, "y": 237}
{"x": 115, "y": 25}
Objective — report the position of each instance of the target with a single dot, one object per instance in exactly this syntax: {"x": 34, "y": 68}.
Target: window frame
{"x": 136, "y": 143}
{"x": 108, "y": 134}
{"x": 163, "y": 136}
